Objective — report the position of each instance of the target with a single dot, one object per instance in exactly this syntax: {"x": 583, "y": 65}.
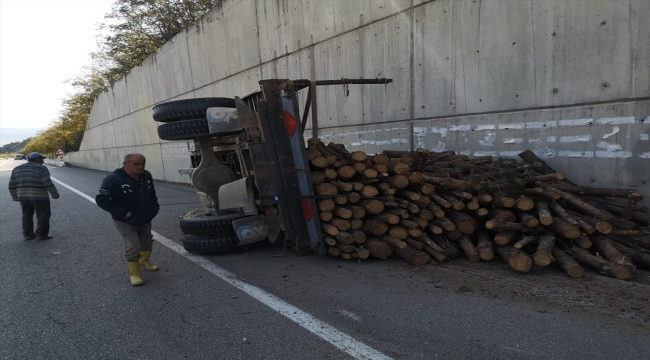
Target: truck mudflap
{"x": 256, "y": 228}
{"x": 238, "y": 194}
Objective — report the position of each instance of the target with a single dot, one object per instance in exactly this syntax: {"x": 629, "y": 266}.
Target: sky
{"x": 42, "y": 45}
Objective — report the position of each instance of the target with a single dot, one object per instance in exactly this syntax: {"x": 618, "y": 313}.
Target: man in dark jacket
{"x": 129, "y": 195}
{"x": 30, "y": 184}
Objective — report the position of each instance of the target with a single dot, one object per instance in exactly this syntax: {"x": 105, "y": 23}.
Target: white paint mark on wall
{"x": 613, "y": 154}
{"x": 513, "y": 141}
{"x": 609, "y": 146}
{"x": 383, "y": 142}
{"x": 535, "y": 125}
{"x": 516, "y": 126}
{"x": 441, "y": 131}
{"x": 399, "y": 141}
{"x": 488, "y": 139}
{"x": 485, "y": 127}
{"x": 465, "y": 152}
{"x": 644, "y": 137}
{"x": 440, "y": 147}
{"x": 551, "y": 124}
{"x": 355, "y": 144}
{"x": 573, "y": 139}
{"x": 485, "y": 153}
{"x": 551, "y": 139}
{"x": 419, "y": 131}
{"x": 510, "y": 153}
{"x": 460, "y": 127}
{"x": 645, "y": 155}
{"x": 647, "y": 120}
{"x": 576, "y": 122}
{"x": 465, "y": 140}
{"x": 616, "y": 121}
{"x": 585, "y": 154}
{"x": 614, "y": 132}
{"x": 368, "y": 142}
{"x": 547, "y": 153}
{"x": 534, "y": 141}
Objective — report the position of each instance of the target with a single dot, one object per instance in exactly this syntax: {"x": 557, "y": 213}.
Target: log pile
{"x": 428, "y": 208}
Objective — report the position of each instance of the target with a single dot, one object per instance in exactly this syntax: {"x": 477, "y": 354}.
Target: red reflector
{"x": 290, "y": 122}
{"x": 309, "y": 212}
{"x": 271, "y": 212}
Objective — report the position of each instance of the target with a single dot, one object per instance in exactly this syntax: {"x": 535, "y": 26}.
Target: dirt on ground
{"x": 543, "y": 287}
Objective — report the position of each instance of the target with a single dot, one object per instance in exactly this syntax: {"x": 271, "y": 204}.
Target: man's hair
{"x": 127, "y": 157}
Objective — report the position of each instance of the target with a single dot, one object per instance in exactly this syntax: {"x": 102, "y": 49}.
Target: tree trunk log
{"x": 329, "y": 229}
{"x": 503, "y": 215}
{"x": 345, "y": 238}
{"x": 397, "y": 243}
{"x": 341, "y": 224}
{"x": 564, "y": 229}
{"x": 516, "y": 259}
{"x": 379, "y": 249}
{"x": 329, "y": 240}
{"x": 464, "y": 223}
{"x": 445, "y": 224}
{"x": 342, "y": 212}
{"x": 447, "y": 183}
{"x": 341, "y": 199}
{"x": 334, "y": 251}
{"x": 374, "y": 227}
{"x": 414, "y": 243}
{"x": 343, "y": 186}
{"x": 398, "y": 181}
{"x": 426, "y": 189}
{"x": 639, "y": 258}
{"x": 568, "y": 264}
{"x": 330, "y": 174}
{"x": 326, "y": 189}
{"x": 317, "y": 177}
{"x": 545, "y": 217}
{"x": 346, "y": 172}
{"x": 372, "y": 206}
{"x": 527, "y": 219}
{"x": 583, "y": 242}
{"x": 544, "y": 254}
{"x": 469, "y": 249}
{"x": 525, "y": 204}
{"x": 413, "y": 256}
{"x": 484, "y": 245}
{"x": 609, "y": 252}
{"x": 398, "y": 232}
{"x": 525, "y": 241}
{"x": 504, "y": 237}
{"x": 359, "y": 236}
{"x": 604, "y": 266}
{"x": 585, "y": 207}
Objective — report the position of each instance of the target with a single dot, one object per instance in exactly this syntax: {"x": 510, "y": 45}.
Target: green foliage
{"x": 136, "y": 30}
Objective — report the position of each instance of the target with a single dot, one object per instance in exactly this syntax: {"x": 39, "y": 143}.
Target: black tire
{"x": 222, "y": 244}
{"x": 189, "y": 108}
{"x": 184, "y": 130}
{"x": 208, "y": 224}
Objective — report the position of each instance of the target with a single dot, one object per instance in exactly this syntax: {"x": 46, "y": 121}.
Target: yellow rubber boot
{"x": 145, "y": 263}
{"x": 134, "y": 273}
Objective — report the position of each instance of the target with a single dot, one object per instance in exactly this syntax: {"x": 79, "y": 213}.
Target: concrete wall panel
{"x": 121, "y": 101}
{"x": 175, "y": 155}
{"x": 139, "y": 87}
{"x": 170, "y": 70}
{"x": 242, "y": 47}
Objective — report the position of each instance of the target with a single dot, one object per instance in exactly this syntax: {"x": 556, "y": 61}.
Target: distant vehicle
{"x": 19, "y": 157}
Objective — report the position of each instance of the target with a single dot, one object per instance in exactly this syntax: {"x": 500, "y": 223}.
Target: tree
{"x": 137, "y": 29}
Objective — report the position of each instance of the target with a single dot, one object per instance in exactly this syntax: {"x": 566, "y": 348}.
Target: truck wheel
{"x": 183, "y": 130}
{"x": 207, "y": 223}
{"x": 222, "y": 244}
{"x": 188, "y": 108}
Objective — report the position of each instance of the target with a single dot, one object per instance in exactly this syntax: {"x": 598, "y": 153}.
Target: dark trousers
{"x": 43, "y": 213}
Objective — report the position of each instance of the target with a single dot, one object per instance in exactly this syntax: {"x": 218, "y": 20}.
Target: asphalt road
{"x": 70, "y": 298}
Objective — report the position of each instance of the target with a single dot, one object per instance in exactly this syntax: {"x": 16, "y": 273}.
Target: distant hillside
{"x": 14, "y": 147}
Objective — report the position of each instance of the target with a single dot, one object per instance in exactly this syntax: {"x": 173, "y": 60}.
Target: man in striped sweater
{"x": 29, "y": 184}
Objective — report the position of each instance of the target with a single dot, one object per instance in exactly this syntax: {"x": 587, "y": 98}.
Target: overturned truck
{"x": 250, "y": 167}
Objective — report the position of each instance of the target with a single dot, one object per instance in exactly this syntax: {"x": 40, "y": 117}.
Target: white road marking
{"x": 339, "y": 339}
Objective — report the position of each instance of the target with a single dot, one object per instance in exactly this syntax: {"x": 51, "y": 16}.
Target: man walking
{"x": 129, "y": 195}
{"x": 29, "y": 184}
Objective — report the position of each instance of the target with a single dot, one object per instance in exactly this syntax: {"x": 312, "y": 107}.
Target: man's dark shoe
{"x": 29, "y": 237}
{"x": 46, "y": 237}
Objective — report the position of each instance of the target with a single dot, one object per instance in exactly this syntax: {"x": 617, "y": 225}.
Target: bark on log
{"x": 426, "y": 214}
{"x": 639, "y": 258}
{"x": 583, "y": 242}
{"x": 445, "y": 224}
{"x": 503, "y": 215}
{"x": 598, "y": 263}
{"x": 369, "y": 191}
{"x": 544, "y": 254}
{"x": 447, "y": 183}
{"x": 456, "y": 203}
{"x": 345, "y": 238}
{"x": 516, "y": 259}
{"x": 319, "y": 162}
{"x": 429, "y": 242}
{"x": 545, "y": 217}
{"x": 346, "y": 172}
{"x": 436, "y": 210}
{"x": 527, "y": 219}
{"x": 609, "y": 252}
{"x": 440, "y": 201}
{"x": 469, "y": 249}
{"x": 426, "y": 189}
{"x": 374, "y": 227}
{"x": 564, "y": 229}
{"x": 435, "y": 229}
{"x": 353, "y": 197}
{"x": 439, "y": 257}
{"x": 418, "y": 245}
{"x": 585, "y": 207}
{"x": 409, "y": 195}
{"x": 484, "y": 245}
{"x": 503, "y": 201}
{"x": 499, "y": 225}
{"x": 464, "y": 223}
{"x": 524, "y": 241}
{"x": 562, "y": 213}
{"x": 481, "y": 212}
{"x": 415, "y": 233}
{"x": 579, "y": 190}
{"x": 413, "y": 256}
{"x": 568, "y": 264}
{"x": 415, "y": 177}
{"x": 343, "y": 186}
{"x": 602, "y": 227}
{"x": 546, "y": 178}
{"x": 357, "y": 211}
{"x": 408, "y": 224}
{"x": 421, "y": 222}
{"x": 389, "y": 218}
{"x": 379, "y": 249}
{"x": 397, "y": 243}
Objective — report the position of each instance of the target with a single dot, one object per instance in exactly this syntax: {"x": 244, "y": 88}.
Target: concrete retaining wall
{"x": 568, "y": 79}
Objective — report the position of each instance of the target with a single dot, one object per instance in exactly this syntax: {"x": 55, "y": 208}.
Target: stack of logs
{"x": 432, "y": 207}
